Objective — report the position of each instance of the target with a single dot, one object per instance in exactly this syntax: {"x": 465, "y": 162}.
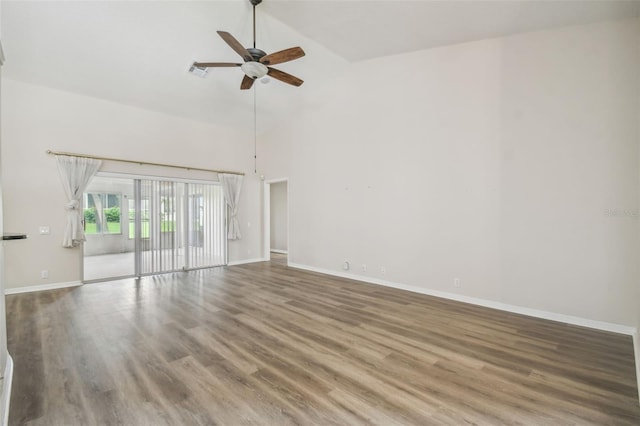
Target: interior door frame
{"x": 266, "y": 210}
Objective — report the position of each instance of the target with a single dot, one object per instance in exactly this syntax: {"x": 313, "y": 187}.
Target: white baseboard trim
{"x": 245, "y": 261}
{"x": 6, "y": 391}
{"x": 636, "y": 352}
{"x": 42, "y": 287}
{"x": 279, "y": 251}
{"x": 568, "y": 319}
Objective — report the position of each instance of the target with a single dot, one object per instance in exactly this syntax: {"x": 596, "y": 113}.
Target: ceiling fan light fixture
{"x": 254, "y": 69}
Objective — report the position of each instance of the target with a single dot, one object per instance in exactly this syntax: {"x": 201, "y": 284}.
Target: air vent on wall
{"x": 198, "y": 71}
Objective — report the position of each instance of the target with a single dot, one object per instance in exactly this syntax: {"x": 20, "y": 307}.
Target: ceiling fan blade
{"x": 247, "y": 83}
{"x": 283, "y": 56}
{"x": 235, "y": 45}
{"x": 215, "y": 64}
{"x": 284, "y": 77}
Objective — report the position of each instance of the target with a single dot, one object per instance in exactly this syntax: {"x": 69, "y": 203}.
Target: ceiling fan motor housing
{"x": 256, "y": 54}
{"x": 255, "y": 69}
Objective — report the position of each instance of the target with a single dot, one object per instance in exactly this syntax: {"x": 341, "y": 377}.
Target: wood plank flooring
{"x": 265, "y": 344}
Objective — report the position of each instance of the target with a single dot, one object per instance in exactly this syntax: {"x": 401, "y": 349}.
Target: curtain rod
{"x": 141, "y": 162}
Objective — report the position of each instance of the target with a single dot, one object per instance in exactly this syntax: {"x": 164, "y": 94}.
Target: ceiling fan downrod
{"x": 254, "y": 3}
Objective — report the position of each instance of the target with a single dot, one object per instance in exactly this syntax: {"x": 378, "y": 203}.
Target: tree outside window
{"x": 102, "y": 213}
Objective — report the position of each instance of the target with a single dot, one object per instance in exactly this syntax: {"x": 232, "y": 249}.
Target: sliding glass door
{"x": 206, "y": 236}
{"x": 162, "y": 226}
{"x": 159, "y": 232}
{"x": 109, "y": 247}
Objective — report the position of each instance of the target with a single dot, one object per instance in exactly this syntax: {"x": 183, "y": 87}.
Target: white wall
{"x": 498, "y": 162}
{"x": 637, "y": 296}
{"x": 3, "y": 317}
{"x": 37, "y": 118}
{"x": 278, "y": 216}
{"x": 570, "y": 146}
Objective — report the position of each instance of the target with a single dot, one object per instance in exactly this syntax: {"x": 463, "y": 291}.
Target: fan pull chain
{"x": 255, "y": 114}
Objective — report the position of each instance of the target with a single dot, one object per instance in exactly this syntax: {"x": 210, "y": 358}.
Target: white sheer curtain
{"x": 76, "y": 173}
{"x": 231, "y": 186}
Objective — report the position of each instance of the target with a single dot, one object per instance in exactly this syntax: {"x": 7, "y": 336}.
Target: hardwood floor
{"x": 264, "y": 344}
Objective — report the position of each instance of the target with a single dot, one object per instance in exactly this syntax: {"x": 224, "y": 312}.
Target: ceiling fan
{"x": 257, "y": 63}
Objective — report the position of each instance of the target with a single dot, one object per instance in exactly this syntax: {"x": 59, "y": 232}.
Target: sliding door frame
{"x": 137, "y": 181}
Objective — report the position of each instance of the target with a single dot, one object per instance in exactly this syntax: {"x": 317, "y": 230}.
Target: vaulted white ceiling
{"x": 358, "y": 30}
{"x": 138, "y": 52}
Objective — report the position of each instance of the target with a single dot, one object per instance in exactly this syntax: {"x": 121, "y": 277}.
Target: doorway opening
{"x": 276, "y": 220}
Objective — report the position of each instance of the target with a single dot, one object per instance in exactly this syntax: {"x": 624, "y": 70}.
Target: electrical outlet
{"x": 383, "y": 270}
{"x": 364, "y": 267}
{"x": 44, "y": 230}
{"x": 456, "y": 283}
{"x": 44, "y": 274}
